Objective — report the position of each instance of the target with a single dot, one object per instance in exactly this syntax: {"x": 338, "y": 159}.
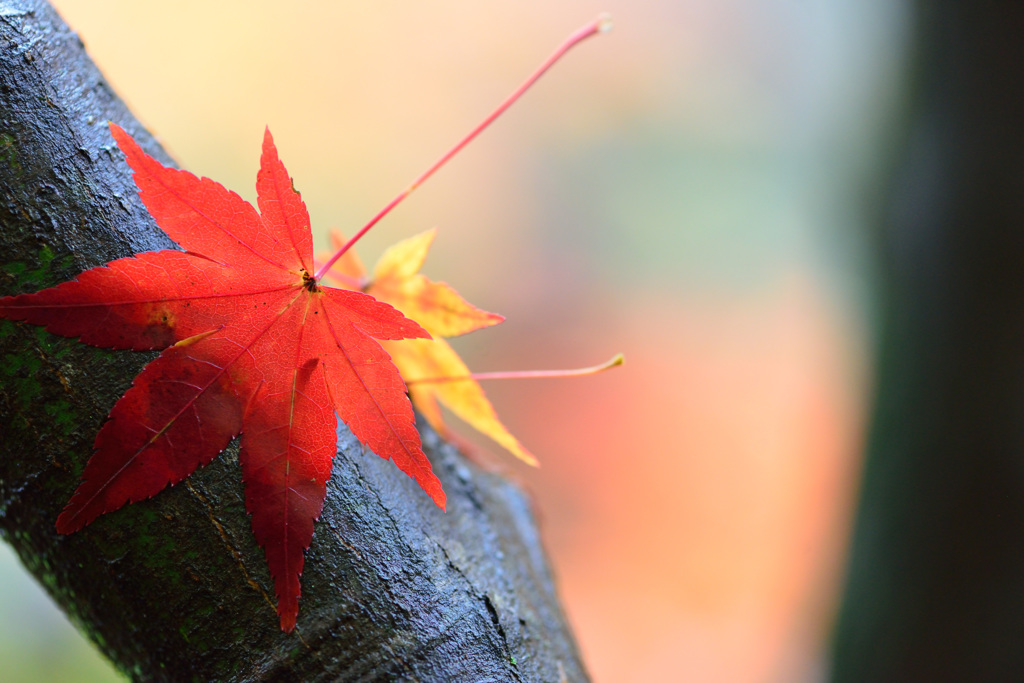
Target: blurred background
{"x": 692, "y": 189}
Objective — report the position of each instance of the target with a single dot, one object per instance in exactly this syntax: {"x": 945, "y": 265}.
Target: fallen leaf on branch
{"x": 253, "y": 345}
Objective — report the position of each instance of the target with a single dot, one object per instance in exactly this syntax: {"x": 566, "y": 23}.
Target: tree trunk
{"x": 174, "y": 588}
{"x": 936, "y": 584}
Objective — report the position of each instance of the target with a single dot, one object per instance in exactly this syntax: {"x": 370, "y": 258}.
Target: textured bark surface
{"x": 936, "y": 585}
{"x": 174, "y": 588}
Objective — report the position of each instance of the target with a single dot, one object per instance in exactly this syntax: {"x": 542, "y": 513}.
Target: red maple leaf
{"x": 254, "y": 345}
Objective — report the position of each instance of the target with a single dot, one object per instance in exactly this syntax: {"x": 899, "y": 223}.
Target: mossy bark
{"x": 174, "y": 588}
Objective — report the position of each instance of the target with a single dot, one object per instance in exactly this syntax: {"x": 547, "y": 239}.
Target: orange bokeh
{"x": 695, "y": 501}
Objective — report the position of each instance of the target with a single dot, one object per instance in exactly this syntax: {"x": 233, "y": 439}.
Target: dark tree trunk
{"x": 175, "y": 588}
{"x": 936, "y": 584}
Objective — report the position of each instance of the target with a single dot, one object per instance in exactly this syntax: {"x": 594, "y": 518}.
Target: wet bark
{"x": 936, "y": 583}
{"x": 174, "y": 588}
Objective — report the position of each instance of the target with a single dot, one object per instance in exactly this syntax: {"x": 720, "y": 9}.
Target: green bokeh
{"x": 37, "y": 643}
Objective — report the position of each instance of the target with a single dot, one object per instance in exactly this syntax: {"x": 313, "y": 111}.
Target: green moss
{"x": 157, "y": 551}
{"x": 131, "y": 529}
{"x": 62, "y": 415}
{"x": 48, "y": 270}
{"x": 18, "y": 371}
{"x": 8, "y": 151}
{"x": 16, "y": 268}
{"x": 20, "y": 374}
{"x": 54, "y": 346}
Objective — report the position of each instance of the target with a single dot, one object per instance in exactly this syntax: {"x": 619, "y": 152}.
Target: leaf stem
{"x": 601, "y": 24}
{"x": 619, "y": 359}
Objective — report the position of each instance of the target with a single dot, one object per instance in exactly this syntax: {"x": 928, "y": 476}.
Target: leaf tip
{"x": 120, "y": 136}
{"x": 528, "y": 458}
{"x": 434, "y": 490}
{"x": 68, "y": 522}
{"x": 269, "y": 148}
{"x": 126, "y": 143}
{"x": 288, "y": 607}
{"x": 288, "y": 620}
